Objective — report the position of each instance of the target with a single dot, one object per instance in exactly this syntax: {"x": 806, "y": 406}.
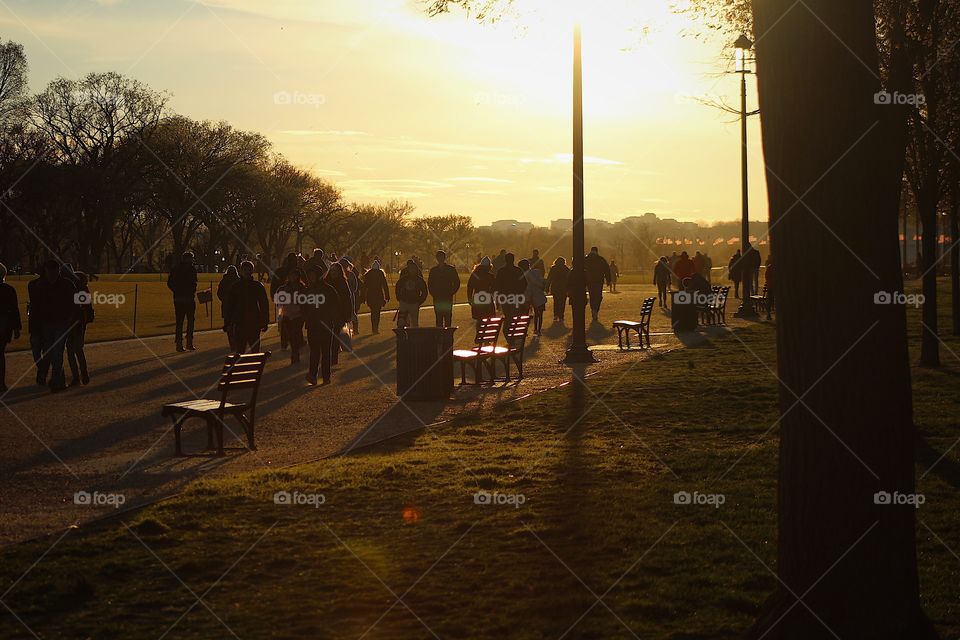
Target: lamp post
{"x": 743, "y": 46}
{"x": 300, "y": 237}
{"x": 578, "y": 353}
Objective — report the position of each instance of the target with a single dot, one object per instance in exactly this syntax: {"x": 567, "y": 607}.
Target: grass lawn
{"x": 597, "y": 519}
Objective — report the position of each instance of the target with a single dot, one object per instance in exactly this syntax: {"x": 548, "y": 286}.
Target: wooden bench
{"x": 624, "y": 327}
{"x": 761, "y": 301}
{"x": 240, "y": 371}
{"x": 483, "y": 351}
{"x": 516, "y": 334}
{"x": 714, "y": 312}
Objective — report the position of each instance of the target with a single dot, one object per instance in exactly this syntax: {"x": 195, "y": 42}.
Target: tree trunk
{"x": 852, "y": 561}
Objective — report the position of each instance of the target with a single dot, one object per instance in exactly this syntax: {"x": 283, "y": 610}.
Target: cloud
{"x": 567, "y": 158}
{"x": 315, "y": 132}
{"x": 341, "y": 13}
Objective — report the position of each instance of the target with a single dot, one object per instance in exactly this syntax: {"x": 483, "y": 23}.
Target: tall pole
{"x": 746, "y": 309}
{"x": 578, "y": 352}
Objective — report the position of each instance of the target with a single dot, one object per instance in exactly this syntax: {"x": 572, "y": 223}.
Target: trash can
{"x": 683, "y": 312}
{"x": 425, "y": 362}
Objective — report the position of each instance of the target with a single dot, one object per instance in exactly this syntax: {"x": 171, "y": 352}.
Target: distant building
{"x": 564, "y": 224}
{"x": 506, "y": 226}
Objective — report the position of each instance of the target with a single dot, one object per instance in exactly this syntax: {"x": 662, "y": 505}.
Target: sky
{"x": 453, "y": 115}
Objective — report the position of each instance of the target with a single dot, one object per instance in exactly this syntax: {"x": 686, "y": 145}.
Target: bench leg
{"x": 248, "y": 428}
{"x": 177, "y": 427}
{"x": 215, "y": 424}
{"x": 463, "y": 373}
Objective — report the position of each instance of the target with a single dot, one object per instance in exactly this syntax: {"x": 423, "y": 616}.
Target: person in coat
{"x": 376, "y": 293}
{"x": 661, "y": 278}
{"x": 230, "y": 277}
{"x": 353, "y": 283}
{"x": 558, "y": 282}
{"x": 182, "y": 281}
{"x": 509, "y": 290}
{"x": 684, "y": 268}
{"x": 337, "y": 278}
{"x": 322, "y": 313}
{"x": 247, "y": 311}
{"x": 735, "y": 272}
{"x": 76, "y": 356}
{"x": 443, "y": 283}
{"x": 480, "y": 288}
{"x": 9, "y": 323}
{"x": 287, "y": 300}
{"x": 536, "y": 263}
{"x": 411, "y": 292}
{"x": 277, "y": 278}
{"x": 54, "y": 303}
{"x": 598, "y": 272}
{"x": 534, "y": 294}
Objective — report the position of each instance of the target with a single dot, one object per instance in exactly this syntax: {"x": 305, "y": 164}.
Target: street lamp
{"x": 578, "y": 353}
{"x": 743, "y": 46}
{"x": 300, "y": 238}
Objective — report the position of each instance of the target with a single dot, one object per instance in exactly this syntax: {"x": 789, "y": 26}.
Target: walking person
{"x": 76, "y": 357}
{"x": 598, "y": 273}
{"x": 411, "y": 291}
{"x": 443, "y": 283}
{"x": 376, "y": 293}
{"x": 230, "y": 277}
{"x": 683, "y": 269}
{"x": 322, "y": 313}
{"x": 277, "y": 279}
{"x": 35, "y": 330}
{"x": 735, "y": 273}
{"x": 770, "y": 281}
{"x": 536, "y": 263}
{"x": 9, "y": 323}
{"x": 509, "y": 290}
{"x": 337, "y": 278}
{"x": 55, "y": 307}
{"x": 247, "y": 311}
{"x": 353, "y": 283}
{"x": 661, "y": 278}
{"x": 557, "y": 285}
{"x": 614, "y": 276}
{"x": 480, "y": 288}
{"x": 287, "y": 300}
{"x": 577, "y": 298}
{"x": 182, "y": 281}
{"x": 750, "y": 271}
{"x": 534, "y": 294}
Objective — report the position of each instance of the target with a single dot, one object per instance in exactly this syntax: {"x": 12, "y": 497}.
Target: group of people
{"x": 58, "y": 312}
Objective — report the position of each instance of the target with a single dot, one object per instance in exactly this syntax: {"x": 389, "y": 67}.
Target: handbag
{"x": 346, "y": 338}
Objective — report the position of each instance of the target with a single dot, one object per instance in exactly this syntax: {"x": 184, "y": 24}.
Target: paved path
{"x": 109, "y": 436}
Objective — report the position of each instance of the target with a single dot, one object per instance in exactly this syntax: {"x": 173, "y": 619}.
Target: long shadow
{"x": 944, "y": 467}
{"x": 402, "y": 419}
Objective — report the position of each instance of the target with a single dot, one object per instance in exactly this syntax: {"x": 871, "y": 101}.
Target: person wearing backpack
{"x": 411, "y": 292}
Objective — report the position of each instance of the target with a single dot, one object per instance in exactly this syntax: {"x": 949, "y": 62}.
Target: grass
{"x": 400, "y": 519}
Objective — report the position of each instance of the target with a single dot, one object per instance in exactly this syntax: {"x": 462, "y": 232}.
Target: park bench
{"x": 483, "y": 351}
{"x": 624, "y": 327}
{"x": 516, "y": 334}
{"x": 761, "y": 301}
{"x": 714, "y": 312}
{"x": 240, "y": 371}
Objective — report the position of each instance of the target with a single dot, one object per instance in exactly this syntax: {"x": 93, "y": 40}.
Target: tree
{"x": 853, "y": 561}
{"x": 451, "y": 233}
{"x": 94, "y": 126}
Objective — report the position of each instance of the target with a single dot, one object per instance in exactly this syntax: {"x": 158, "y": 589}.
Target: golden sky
{"x": 455, "y": 116}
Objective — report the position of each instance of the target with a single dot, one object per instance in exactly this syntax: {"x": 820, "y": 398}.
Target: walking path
{"x": 109, "y": 437}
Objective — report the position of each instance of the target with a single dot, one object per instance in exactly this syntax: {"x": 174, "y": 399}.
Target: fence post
{"x": 136, "y": 298}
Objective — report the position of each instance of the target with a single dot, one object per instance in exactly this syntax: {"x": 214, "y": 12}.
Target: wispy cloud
{"x": 480, "y": 179}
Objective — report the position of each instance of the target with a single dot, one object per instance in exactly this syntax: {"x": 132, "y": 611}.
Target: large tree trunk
{"x": 852, "y": 561}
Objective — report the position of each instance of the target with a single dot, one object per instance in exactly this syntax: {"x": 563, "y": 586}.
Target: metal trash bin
{"x": 425, "y": 362}
{"x": 683, "y": 311}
